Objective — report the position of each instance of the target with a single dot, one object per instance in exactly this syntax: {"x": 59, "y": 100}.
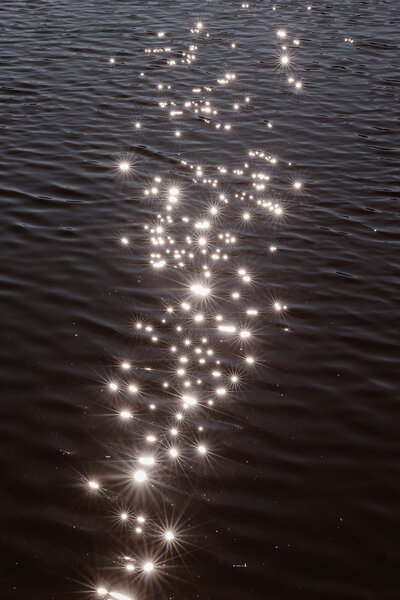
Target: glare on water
{"x": 208, "y": 318}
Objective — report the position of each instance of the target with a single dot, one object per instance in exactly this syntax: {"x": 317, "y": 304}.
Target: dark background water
{"x": 306, "y": 489}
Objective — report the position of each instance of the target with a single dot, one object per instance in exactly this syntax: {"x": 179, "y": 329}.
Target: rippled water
{"x": 300, "y": 498}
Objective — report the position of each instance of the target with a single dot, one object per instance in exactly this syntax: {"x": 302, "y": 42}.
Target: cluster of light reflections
{"x": 205, "y": 334}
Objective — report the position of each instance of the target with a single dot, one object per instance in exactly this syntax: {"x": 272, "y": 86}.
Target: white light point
{"x": 101, "y": 591}
{"x": 227, "y": 328}
{"x": 281, "y": 33}
{"x": 132, "y": 388}
{"x": 148, "y": 567}
{"x": 146, "y": 460}
{"x": 200, "y": 290}
{"x": 125, "y": 414}
{"x": 250, "y": 360}
{"x": 169, "y": 536}
{"x": 113, "y": 387}
{"x": 93, "y": 485}
{"x": 297, "y": 185}
{"x": 124, "y": 166}
{"x": 202, "y": 449}
{"x": 124, "y": 516}
{"x": 140, "y": 476}
{"x": 173, "y": 452}
{"x": 189, "y": 401}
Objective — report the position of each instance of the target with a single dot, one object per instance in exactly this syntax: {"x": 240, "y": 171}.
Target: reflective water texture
{"x": 226, "y": 168}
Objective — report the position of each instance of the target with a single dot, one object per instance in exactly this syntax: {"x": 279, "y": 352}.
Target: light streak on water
{"x": 204, "y": 335}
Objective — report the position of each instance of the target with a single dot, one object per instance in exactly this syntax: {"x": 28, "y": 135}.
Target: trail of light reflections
{"x": 192, "y": 238}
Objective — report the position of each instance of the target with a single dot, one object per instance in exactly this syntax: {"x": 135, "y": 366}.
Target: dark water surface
{"x": 303, "y": 483}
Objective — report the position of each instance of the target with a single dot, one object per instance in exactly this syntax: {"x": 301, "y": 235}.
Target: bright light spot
{"x": 200, "y": 290}
{"x": 227, "y": 328}
{"x": 189, "y": 400}
{"x": 125, "y": 414}
{"x": 148, "y": 567}
{"x": 124, "y": 166}
{"x": 94, "y": 485}
{"x": 146, "y": 460}
{"x": 201, "y": 449}
{"x": 140, "y": 476}
{"x": 169, "y": 536}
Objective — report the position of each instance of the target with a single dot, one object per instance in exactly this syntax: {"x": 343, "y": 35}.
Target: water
{"x": 298, "y": 496}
